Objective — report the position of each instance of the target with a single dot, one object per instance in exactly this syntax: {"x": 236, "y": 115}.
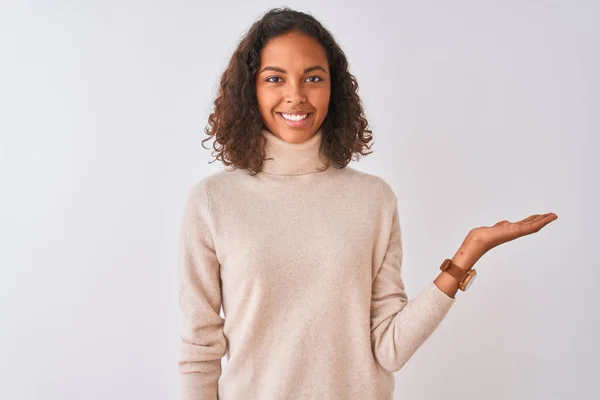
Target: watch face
{"x": 470, "y": 282}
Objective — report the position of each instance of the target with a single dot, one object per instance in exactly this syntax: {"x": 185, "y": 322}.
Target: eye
{"x": 271, "y": 79}
{"x": 314, "y": 76}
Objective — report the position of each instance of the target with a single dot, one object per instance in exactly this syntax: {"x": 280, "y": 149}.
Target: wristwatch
{"x": 464, "y": 277}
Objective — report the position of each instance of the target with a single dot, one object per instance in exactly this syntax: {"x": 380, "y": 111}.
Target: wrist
{"x": 467, "y": 255}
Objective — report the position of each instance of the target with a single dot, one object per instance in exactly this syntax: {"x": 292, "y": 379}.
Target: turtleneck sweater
{"x": 305, "y": 259}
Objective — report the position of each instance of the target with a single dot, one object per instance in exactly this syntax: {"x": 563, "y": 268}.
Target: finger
{"x": 544, "y": 218}
{"x": 531, "y": 217}
{"x": 537, "y": 223}
{"x": 548, "y": 218}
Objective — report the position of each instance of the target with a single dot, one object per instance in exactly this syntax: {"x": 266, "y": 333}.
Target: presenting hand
{"x": 504, "y": 231}
{"x": 481, "y": 240}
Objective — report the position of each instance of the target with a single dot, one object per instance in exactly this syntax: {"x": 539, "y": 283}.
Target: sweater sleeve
{"x": 203, "y": 343}
{"x": 399, "y": 326}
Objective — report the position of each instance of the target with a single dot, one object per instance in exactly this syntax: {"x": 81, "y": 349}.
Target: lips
{"x": 296, "y": 124}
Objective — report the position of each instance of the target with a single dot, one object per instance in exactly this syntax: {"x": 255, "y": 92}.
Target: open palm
{"x": 505, "y": 231}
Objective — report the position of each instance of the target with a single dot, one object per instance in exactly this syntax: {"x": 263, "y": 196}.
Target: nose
{"x": 295, "y": 94}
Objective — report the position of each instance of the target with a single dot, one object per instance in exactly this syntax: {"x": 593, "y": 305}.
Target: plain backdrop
{"x": 481, "y": 111}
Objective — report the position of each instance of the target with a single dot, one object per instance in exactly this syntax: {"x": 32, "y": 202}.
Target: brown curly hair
{"x": 236, "y": 123}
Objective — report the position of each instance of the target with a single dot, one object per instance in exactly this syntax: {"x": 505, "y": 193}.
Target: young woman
{"x": 303, "y": 252}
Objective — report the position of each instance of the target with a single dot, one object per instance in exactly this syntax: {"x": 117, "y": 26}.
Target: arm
{"x": 203, "y": 343}
{"x": 399, "y": 326}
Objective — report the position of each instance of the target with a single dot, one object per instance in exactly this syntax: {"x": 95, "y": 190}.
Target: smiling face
{"x": 293, "y": 86}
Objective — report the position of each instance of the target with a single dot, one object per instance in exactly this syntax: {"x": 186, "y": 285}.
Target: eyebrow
{"x": 283, "y": 71}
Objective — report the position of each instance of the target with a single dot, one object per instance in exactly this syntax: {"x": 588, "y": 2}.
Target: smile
{"x": 295, "y": 120}
{"x": 294, "y": 117}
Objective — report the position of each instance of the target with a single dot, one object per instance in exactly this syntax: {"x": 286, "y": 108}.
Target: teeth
{"x": 294, "y": 117}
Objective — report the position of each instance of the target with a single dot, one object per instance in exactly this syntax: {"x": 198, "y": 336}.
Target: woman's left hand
{"x": 487, "y": 237}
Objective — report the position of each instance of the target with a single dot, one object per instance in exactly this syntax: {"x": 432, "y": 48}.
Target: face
{"x": 293, "y": 86}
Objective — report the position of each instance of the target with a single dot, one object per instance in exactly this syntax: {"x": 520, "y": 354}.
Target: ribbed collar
{"x": 285, "y": 158}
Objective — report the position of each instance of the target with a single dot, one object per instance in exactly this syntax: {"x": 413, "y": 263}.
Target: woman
{"x": 303, "y": 252}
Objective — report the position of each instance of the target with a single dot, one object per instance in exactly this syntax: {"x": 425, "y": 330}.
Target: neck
{"x": 284, "y": 158}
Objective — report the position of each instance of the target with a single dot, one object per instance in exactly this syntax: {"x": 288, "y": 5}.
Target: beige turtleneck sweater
{"x": 307, "y": 267}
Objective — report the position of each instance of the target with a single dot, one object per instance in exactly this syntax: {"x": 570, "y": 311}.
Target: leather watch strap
{"x": 465, "y": 277}
{"x": 454, "y": 270}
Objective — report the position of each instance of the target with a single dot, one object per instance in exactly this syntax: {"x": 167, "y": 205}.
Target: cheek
{"x": 262, "y": 101}
{"x": 266, "y": 100}
{"x": 321, "y": 99}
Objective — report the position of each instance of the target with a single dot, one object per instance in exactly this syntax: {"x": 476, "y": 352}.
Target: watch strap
{"x": 465, "y": 277}
{"x": 459, "y": 273}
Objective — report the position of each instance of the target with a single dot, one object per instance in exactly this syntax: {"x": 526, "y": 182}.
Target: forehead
{"x": 293, "y": 50}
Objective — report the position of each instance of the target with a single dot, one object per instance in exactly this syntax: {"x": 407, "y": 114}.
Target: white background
{"x": 481, "y": 111}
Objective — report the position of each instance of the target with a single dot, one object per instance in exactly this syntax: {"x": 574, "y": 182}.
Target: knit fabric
{"x": 306, "y": 263}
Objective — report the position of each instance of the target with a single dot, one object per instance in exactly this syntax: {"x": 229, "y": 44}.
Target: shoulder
{"x": 213, "y": 182}
{"x": 375, "y": 183}
{"x": 196, "y": 199}
{"x": 215, "y": 186}
{"x": 360, "y": 176}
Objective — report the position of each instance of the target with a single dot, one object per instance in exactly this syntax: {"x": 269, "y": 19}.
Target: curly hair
{"x": 236, "y": 123}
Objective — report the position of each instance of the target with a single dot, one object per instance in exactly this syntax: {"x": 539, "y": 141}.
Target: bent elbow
{"x": 390, "y": 363}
